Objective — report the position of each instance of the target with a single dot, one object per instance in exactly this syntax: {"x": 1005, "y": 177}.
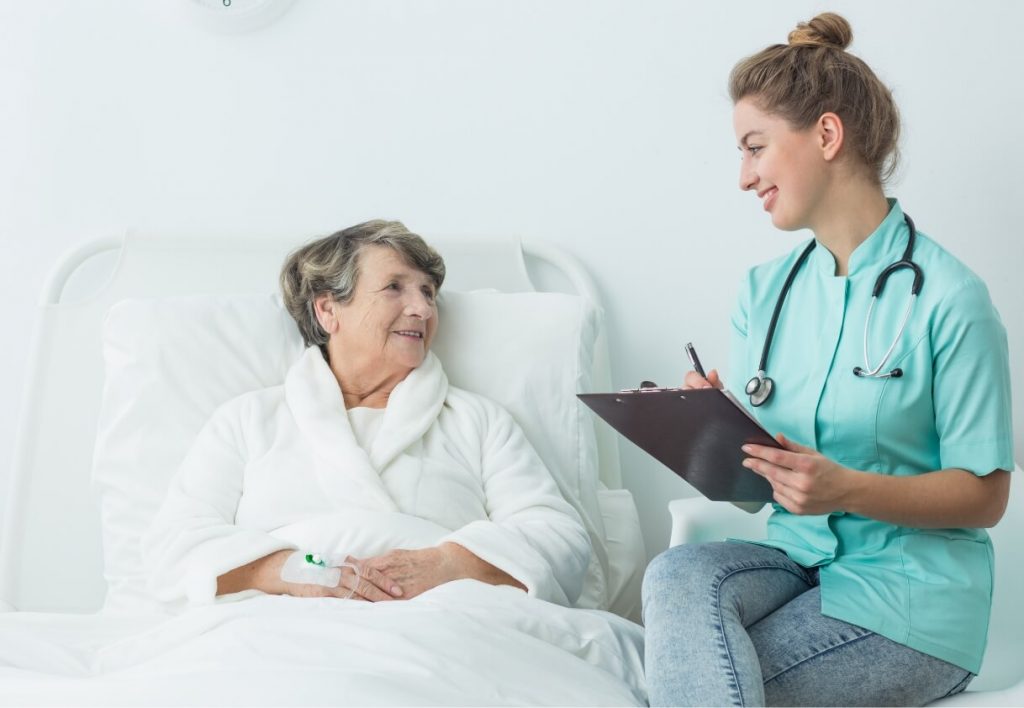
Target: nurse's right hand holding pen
{"x": 697, "y": 378}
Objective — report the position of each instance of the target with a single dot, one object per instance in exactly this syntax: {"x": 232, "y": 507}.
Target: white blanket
{"x": 463, "y": 643}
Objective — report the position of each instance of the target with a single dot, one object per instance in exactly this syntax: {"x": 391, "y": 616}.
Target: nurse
{"x": 874, "y": 584}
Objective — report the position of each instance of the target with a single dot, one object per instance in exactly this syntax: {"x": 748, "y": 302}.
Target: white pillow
{"x": 532, "y": 353}
{"x": 170, "y": 362}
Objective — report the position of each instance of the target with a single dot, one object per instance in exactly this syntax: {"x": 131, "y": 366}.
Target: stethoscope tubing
{"x": 761, "y": 386}
{"x": 867, "y": 371}
{"x": 763, "y": 366}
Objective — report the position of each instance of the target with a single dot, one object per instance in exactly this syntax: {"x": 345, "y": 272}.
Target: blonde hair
{"x": 814, "y": 74}
{"x": 331, "y": 265}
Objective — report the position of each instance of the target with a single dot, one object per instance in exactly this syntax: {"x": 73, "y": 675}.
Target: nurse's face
{"x": 783, "y": 166}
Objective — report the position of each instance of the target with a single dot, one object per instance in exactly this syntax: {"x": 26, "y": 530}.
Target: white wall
{"x": 602, "y": 126}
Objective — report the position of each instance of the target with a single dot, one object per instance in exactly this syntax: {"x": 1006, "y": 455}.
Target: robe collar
{"x": 316, "y": 402}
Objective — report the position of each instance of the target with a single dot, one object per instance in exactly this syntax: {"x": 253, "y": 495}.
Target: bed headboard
{"x": 51, "y": 489}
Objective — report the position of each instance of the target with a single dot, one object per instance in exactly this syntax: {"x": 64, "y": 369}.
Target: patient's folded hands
{"x": 415, "y": 571}
{"x": 367, "y": 584}
{"x": 420, "y": 570}
{"x": 395, "y": 575}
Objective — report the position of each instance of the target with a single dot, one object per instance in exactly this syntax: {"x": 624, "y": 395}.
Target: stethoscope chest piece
{"x": 759, "y": 389}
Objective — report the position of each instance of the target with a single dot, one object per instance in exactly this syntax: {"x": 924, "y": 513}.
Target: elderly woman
{"x": 365, "y": 474}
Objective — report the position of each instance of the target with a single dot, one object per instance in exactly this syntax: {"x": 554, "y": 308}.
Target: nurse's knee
{"x": 681, "y": 570}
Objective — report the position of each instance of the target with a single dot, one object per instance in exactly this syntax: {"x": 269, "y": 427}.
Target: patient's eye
{"x": 428, "y": 293}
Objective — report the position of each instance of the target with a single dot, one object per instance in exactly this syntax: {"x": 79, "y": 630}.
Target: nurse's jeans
{"x": 740, "y": 624}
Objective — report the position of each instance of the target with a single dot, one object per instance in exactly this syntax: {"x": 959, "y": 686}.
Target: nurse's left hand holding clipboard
{"x": 803, "y": 480}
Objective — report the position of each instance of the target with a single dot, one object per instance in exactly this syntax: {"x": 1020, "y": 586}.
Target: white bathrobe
{"x": 280, "y": 468}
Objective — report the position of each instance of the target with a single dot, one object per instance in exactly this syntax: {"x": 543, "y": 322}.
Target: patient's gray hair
{"x": 331, "y": 265}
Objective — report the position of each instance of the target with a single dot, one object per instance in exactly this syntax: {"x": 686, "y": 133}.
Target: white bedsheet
{"x": 464, "y": 643}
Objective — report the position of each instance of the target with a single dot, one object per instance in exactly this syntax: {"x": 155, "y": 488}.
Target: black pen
{"x": 692, "y": 354}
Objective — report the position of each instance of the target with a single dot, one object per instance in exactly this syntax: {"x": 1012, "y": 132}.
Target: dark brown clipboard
{"x": 696, "y": 433}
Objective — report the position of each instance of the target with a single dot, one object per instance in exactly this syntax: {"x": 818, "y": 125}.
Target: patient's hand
{"x": 265, "y": 575}
{"x": 426, "y": 568}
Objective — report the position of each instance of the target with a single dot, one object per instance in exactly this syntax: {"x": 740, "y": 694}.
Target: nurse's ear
{"x": 324, "y": 307}
{"x": 829, "y": 133}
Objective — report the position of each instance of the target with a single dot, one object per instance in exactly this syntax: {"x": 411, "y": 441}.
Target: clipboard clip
{"x": 646, "y": 387}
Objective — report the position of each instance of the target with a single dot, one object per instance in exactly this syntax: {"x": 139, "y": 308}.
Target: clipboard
{"x": 696, "y": 433}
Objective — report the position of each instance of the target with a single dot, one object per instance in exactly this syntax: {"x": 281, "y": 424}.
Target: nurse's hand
{"x": 803, "y": 480}
{"x": 695, "y": 380}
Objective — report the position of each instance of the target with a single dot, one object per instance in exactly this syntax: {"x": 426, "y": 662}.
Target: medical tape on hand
{"x": 312, "y": 569}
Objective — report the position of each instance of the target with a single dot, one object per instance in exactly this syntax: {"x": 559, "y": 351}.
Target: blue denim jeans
{"x": 740, "y": 624}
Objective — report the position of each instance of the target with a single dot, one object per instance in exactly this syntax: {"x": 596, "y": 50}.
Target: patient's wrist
{"x": 469, "y": 565}
{"x": 263, "y": 574}
{"x": 456, "y": 561}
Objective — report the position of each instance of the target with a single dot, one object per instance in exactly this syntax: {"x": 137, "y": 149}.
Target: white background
{"x": 601, "y": 126}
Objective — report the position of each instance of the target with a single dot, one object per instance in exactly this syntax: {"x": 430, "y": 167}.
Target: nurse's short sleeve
{"x": 971, "y": 385}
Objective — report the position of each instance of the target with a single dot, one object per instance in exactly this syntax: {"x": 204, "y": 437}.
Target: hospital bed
{"x": 63, "y": 583}
{"x": 139, "y": 339}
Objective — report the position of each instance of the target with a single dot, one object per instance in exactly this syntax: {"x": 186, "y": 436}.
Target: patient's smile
{"x": 390, "y": 321}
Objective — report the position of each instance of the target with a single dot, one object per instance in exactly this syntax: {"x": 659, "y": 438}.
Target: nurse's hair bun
{"x": 826, "y": 30}
{"x": 814, "y": 75}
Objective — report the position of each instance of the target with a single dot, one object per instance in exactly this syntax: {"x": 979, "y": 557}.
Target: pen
{"x": 692, "y": 354}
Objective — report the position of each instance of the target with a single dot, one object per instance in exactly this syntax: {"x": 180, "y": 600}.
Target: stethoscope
{"x": 760, "y": 387}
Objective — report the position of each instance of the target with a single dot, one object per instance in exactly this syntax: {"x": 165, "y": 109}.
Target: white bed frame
{"x": 50, "y": 550}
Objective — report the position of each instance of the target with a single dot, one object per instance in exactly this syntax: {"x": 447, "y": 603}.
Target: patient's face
{"x": 392, "y": 316}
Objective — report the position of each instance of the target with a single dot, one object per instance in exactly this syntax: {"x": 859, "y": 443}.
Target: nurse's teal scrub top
{"x": 929, "y": 589}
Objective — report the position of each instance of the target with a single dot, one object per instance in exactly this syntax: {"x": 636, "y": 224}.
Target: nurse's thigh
{"x": 697, "y": 601}
{"x": 810, "y": 659}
